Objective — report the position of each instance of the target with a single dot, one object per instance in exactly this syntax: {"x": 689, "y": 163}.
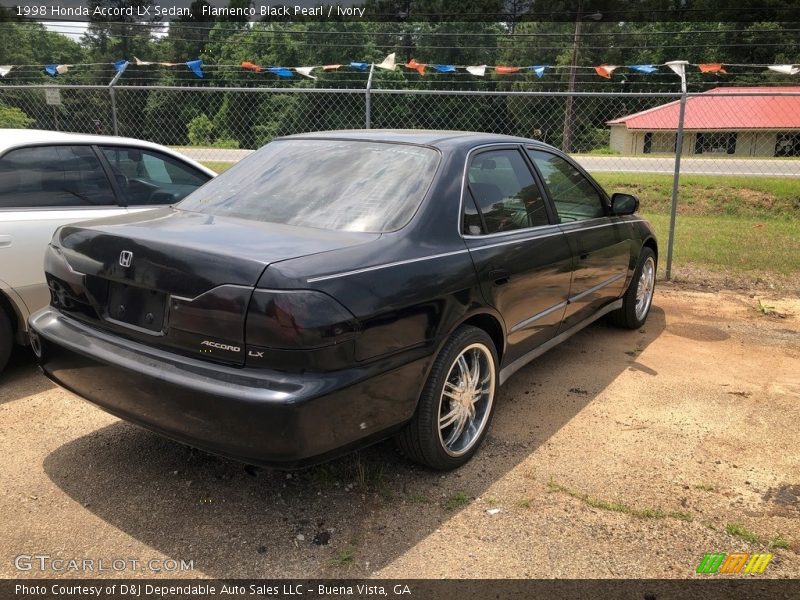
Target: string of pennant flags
{"x": 390, "y": 64}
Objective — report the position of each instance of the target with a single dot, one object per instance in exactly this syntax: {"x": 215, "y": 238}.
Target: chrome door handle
{"x": 5, "y": 240}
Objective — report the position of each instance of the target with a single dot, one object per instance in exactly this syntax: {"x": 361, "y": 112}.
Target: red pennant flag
{"x": 250, "y": 66}
{"x": 330, "y": 67}
{"x": 418, "y": 67}
{"x": 507, "y": 70}
{"x": 605, "y": 70}
{"x": 712, "y": 68}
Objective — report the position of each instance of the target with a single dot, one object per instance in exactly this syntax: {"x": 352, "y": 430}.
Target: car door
{"x": 599, "y": 242}
{"x": 41, "y": 188}
{"x": 146, "y": 178}
{"x": 522, "y": 258}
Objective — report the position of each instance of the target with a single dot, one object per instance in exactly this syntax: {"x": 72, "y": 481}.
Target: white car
{"x": 48, "y": 179}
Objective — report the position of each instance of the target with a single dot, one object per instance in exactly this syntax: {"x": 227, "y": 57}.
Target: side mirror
{"x": 624, "y": 204}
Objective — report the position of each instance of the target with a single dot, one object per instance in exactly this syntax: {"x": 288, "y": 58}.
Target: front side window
{"x": 325, "y": 184}
{"x": 505, "y": 193}
{"x": 574, "y": 197}
{"x": 146, "y": 177}
{"x": 53, "y": 176}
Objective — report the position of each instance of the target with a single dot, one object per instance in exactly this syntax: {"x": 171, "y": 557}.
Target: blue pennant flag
{"x": 51, "y": 70}
{"x": 444, "y": 68}
{"x": 196, "y": 67}
{"x": 361, "y": 66}
{"x": 280, "y": 71}
{"x": 539, "y": 70}
{"x": 643, "y": 68}
{"x": 121, "y": 65}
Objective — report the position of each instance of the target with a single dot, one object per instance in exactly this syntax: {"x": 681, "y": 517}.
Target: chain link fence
{"x": 725, "y": 132}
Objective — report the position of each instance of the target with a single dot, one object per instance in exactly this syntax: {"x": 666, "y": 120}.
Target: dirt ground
{"x": 618, "y": 454}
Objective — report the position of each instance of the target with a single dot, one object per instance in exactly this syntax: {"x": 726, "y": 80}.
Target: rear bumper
{"x": 256, "y": 416}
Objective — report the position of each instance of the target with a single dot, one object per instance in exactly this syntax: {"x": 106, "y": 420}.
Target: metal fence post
{"x": 368, "y": 96}
{"x": 675, "y": 181}
{"x": 114, "y": 100}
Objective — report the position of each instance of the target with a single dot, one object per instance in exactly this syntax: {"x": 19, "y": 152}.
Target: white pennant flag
{"x": 144, "y": 63}
{"x": 305, "y": 71}
{"x": 388, "y": 63}
{"x": 62, "y": 69}
{"x": 679, "y": 66}
{"x": 785, "y": 69}
{"x": 5, "y": 70}
{"x": 479, "y": 70}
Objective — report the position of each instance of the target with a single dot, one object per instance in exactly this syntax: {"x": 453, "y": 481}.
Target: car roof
{"x": 424, "y": 137}
{"x": 14, "y": 138}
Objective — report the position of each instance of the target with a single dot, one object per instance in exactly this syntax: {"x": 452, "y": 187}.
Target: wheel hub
{"x": 466, "y": 399}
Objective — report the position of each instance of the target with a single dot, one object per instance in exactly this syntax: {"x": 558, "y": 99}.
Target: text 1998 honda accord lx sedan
{"x": 333, "y": 289}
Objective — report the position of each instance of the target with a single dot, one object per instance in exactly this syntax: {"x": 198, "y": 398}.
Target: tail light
{"x": 67, "y": 286}
{"x": 298, "y": 329}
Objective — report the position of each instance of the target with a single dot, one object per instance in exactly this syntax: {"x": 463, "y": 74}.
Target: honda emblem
{"x": 125, "y": 258}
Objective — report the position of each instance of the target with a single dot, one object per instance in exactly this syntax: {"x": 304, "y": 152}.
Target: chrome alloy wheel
{"x": 644, "y": 290}
{"x": 466, "y": 401}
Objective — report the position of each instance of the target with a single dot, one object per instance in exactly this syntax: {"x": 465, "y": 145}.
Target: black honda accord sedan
{"x": 334, "y": 289}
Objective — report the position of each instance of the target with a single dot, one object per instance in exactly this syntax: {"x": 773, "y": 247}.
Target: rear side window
{"x": 325, "y": 184}
{"x": 53, "y": 176}
{"x": 505, "y": 193}
{"x": 149, "y": 178}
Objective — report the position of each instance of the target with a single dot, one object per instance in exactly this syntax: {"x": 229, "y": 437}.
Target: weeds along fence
{"x": 722, "y": 131}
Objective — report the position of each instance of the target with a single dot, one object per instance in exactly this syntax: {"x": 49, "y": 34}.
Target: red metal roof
{"x": 713, "y": 111}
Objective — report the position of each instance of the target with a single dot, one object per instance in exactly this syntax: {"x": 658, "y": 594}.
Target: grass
{"x": 620, "y": 507}
{"x": 706, "y": 487}
{"x": 733, "y": 243}
{"x": 457, "y": 501}
{"x": 740, "y": 224}
{"x": 217, "y": 167}
{"x": 364, "y": 475}
{"x": 344, "y": 558}
{"x": 711, "y": 195}
{"x": 740, "y": 531}
{"x": 779, "y": 542}
{"x": 764, "y": 309}
{"x": 418, "y": 499}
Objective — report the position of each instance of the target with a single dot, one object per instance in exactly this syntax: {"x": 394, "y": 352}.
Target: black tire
{"x": 6, "y": 338}
{"x": 627, "y": 316}
{"x": 421, "y": 439}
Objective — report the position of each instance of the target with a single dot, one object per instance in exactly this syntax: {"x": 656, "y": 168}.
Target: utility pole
{"x": 566, "y": 138}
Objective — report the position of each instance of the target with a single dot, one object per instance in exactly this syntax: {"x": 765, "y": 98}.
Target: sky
{"x": 72, "y": 30}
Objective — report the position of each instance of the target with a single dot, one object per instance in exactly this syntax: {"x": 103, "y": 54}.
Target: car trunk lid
{"x": 175, "y": 278}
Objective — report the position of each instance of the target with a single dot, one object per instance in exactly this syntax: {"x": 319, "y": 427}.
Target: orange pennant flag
{"x": 712, "y": 68}
{"x": 418, "y": 67}
{"x": 251, "y": 66}
{"x": 507, "y": 70}
{"x": 605, "y": 70}
{"x": 330, "y": 67}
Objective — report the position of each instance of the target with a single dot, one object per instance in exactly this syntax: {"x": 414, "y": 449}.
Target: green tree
{"x": 12, "y": 117}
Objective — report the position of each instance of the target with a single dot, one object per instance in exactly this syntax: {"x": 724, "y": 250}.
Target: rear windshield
{"x": 326, "y": 184}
